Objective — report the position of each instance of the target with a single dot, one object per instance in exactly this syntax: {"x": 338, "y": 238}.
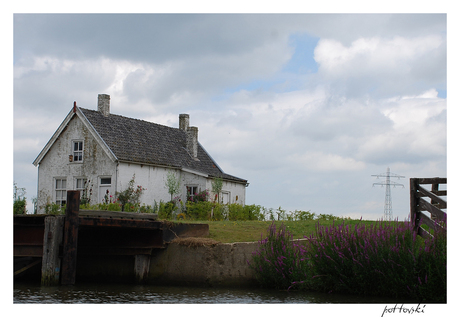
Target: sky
{"x": 306, "y": 107}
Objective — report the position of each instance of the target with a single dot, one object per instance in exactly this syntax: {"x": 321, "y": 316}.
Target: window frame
{"x": 60, "y": 193}
{"x": 82, "y": 187}
{"x": 191, "y": 190}
{"x": 77, "y": 154}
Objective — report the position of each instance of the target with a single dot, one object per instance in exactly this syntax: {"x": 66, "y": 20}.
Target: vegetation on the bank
{"x": 19, "y": 200}
{"x": 381, "y": 258}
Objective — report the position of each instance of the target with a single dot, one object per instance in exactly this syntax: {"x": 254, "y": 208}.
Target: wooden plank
{"x": 438, "y": 213}
{"x": 434, "y": 180}
{"x": 439, "y": 192}
{"x": 28, "y": 250}
{"x": 424, "y": 219}
{"x": 413, "y": 199}
{"x": 91, "y": 251}
{"x": 52, "y": 239}
{"x": 423, "y": 233}
{"x": 69, "y": 260}
{"x": 25, "y": 268}
{"x": 425, "y": 193}
{"x": 117, "y": 214}
{"x": 120, "y": 223}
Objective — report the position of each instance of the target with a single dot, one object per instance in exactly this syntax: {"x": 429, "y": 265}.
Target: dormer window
{"x": 77, "y": 148}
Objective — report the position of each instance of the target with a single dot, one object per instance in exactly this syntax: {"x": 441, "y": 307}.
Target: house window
{"x": 80, "y": 184}
{"x": 77, "y": 151}
{"x": 106, "y": 181}
{"x": 60, "y": 187}
{"x": 105, "y": 190}
{"x": 191, "y": 191}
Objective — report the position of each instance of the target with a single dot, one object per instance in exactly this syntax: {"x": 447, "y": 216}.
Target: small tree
{"x": 19, "y": 200}
{"x": 217, "y": 184}
{"x": 130, "y": 195}
{"x": 172, "y": 184}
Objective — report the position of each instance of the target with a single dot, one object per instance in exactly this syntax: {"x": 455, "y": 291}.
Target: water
{"x": 143, "y": 294}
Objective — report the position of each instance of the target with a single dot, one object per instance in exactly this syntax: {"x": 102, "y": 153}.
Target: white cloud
{"x": 324, "y": 162}
{"x": 381, "y": 65}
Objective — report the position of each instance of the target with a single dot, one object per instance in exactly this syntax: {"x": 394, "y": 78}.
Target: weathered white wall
{"x": 154, "y": 180}
{"x": 236, "y": 193}
{"x": 56, "y": 163}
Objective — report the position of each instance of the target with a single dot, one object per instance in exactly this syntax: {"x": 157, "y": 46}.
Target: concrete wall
{"x": 219, "y": 265}
{"x": 222, "y": 265}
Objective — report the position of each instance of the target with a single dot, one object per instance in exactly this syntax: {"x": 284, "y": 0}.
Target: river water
{"x": 148, "y": 294}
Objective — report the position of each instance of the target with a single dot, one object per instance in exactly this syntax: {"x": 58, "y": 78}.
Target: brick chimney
{"x": 192, "y": 141}
{"x": 184, "y": 120}
{"x": 103, "y": 104}
{"x": 191, "y": 135}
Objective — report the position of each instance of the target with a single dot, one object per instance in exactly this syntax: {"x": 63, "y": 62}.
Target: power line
{"x": 388, "y": 209}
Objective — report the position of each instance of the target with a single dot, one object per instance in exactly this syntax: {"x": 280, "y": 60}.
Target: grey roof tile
{"x": 144, "y": 142}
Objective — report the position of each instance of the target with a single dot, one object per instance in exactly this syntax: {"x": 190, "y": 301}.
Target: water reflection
{"x": 121, "y": 293}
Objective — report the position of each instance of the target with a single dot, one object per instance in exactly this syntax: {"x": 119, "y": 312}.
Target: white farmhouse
{"x": 106, "y": 150}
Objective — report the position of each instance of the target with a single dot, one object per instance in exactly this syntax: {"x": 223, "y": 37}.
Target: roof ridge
{"x": 130, "y": 118}
{"x": 146, "y": 142}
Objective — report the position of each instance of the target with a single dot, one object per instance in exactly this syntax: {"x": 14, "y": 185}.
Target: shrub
{"x": 130, "y": 195}
{"x": 165, "y": 210}
{"x": 19, "y": 206}
{"x": 54, "y": 209}
{"x": 279, "y": 261}
{"x": 303, "y": 215}
{"x": 248, "y": 212}
{"x": 384, "y": 259}
{"x": 19, "y": 200}
{"x": 200, "y": 210}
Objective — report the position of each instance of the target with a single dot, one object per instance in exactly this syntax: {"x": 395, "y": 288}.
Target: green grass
{"x": 249, "y": 231}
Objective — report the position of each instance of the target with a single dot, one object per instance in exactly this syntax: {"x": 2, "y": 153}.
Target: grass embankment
{"x": 249, "y": 231}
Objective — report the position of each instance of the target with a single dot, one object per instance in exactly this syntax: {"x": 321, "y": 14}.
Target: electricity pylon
{"x": 388, "y": 210}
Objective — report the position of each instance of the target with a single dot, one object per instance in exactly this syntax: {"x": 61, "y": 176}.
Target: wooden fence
{"x": 433, "y": 205}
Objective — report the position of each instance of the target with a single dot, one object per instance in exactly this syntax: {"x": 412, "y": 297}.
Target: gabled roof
{"x": 132, "y": 140}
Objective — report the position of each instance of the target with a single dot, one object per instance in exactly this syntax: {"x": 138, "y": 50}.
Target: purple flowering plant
{"x": 383, "y": 259}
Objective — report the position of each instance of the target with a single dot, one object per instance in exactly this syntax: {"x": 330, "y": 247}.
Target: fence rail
{"x": 420, "y": 207}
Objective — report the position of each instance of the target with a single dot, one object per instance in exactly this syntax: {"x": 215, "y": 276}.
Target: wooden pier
{"x": 57, "y": 241}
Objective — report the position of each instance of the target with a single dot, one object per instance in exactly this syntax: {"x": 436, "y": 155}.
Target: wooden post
{"x": 69, "y": 259}
{"x": 141, "y": 267}
{"x": 414, "y": 202}
{"x": 52, "y": 238}
{"x": 434, "y": 189}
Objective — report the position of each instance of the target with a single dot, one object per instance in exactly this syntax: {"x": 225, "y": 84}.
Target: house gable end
{"x": 62, "y": 127}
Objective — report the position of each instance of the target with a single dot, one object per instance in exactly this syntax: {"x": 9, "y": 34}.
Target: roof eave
{"x": 55, "y": 136}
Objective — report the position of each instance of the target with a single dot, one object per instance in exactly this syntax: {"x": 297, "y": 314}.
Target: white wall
{"x": 231, "y": 192}
{"x": 56, "y": 163}
{"x": 154, "y": 179}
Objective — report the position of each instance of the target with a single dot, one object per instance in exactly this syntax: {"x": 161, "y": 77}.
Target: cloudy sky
{"x": 306, "y": 107}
